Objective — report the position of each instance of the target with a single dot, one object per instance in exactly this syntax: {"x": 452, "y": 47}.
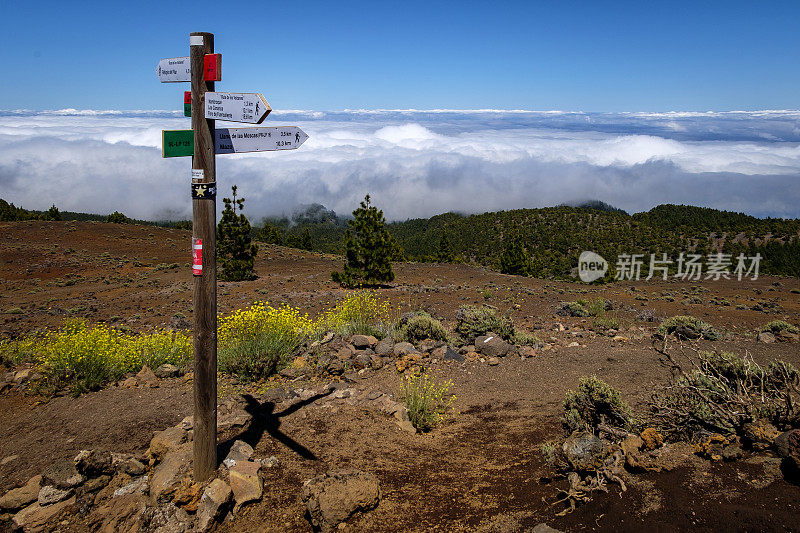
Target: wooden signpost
{"x": 180, "y": 143}
{"x": 237, "y": 107}
{"x": 202, "y": 68}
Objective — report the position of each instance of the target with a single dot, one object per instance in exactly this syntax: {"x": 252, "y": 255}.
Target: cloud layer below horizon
{"x": 415, "y": 163}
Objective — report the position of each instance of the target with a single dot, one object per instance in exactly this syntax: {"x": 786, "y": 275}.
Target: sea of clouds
{"x": 414, "y": 163}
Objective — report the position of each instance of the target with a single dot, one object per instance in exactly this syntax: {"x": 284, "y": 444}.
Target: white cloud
{"x": 415, "y": 162}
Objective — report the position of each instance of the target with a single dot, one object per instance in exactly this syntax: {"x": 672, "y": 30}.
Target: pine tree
{"x": 235, "y": 250}
{"x": 305, "y": 241}
{"x": 269, "y": 234}
{"x": 53, "y": 213}
{"x": 369, "y": 249}
{"x": 514, "y": 260}
{"x": 444, "y": 254}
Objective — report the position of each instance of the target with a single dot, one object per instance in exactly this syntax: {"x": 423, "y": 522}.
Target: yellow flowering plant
{"x": 360, "y": 312}
{"x": 428, "y": 402}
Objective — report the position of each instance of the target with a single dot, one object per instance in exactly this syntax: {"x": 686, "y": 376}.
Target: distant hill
{"x": 553, "y": 237}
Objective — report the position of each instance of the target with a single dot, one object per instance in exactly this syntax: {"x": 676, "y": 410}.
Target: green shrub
{"x": 427, "y": 402}
{"x": 472, "y": 322}
{"x": 779, "y": 326}
{"x": 524, "y": 338}
{"x": 595, "y": 402}
{"x": 690, "y": 327}
{"x": 421, "y": 327}
{"x": 606, "y": 322}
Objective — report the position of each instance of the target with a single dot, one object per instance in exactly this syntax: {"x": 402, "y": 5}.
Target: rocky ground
{"x": 481, "y": 470}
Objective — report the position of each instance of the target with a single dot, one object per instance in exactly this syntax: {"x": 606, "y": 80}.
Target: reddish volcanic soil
{"x": 480, "y": 471}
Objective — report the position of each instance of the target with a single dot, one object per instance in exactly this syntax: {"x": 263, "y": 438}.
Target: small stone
{"x": 362, "y": 342}
{"x": 766, "y": 337}
{"x": 95, "y": 484}
{"x": 22, "y": 376}
{"x": 401, "y": 413}
{"x": 36, "y": 517}
{"x": 362, "y": 360}
{"x": 492, "y": 361}
{"x": 62, "y": 475}
{"x": 731, "y": 452}
{"x": 7, "y": 459}
{"x": 270, "y": 462}
{"x": 527, "y": 351}
{"x": 584, "y": 451}
{"x": 213, "y": 504}
{"x": 134, "y": 467}
{"x": 544, "y": 528}
{"x": 188, "y": 495}
{"x": 492, "y": 345}
{"x": 240, "y": 451}
{"x": 631, "y": 444}
{"x": 93, "y": 463}
{"x": 49, "y": 495}
{"x": 245, "y": 483}
{"x": 167, "y": 371}
{"x": 334, "y": 497}
{"x": 407, "y": 426}
{"x": 167, "y": 475}
{"x": 166, "y": 440}
{"x": 403, "y": 348}
{"x": 574, "y": 345}
{"x": 137, "y": 486}
{"x": 759, "y": 434}
{"x": 376, "y": 362}
{"x": 129, "y": 383}
{"x": 146, "y": 376}
{"x": 651, "y": 439}
{"x": 384, "y": 347}
{"x": 21, "y": 496}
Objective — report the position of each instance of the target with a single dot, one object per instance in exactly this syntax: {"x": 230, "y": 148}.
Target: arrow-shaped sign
{"x": 179, "y": 68}
{"x": 237, "y": 107}
{"x": 180, "y": 143}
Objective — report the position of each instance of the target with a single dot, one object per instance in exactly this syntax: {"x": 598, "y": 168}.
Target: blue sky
{"x": 590, "y": 56}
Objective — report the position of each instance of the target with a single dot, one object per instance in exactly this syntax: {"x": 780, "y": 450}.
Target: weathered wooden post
{"x": 205, "y": 284}
{"x": 202, "y": 68}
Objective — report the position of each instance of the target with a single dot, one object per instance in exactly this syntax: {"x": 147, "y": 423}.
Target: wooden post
{"x": 205, "y": 285}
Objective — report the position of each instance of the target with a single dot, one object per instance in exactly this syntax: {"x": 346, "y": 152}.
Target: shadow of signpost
{"x": 265, "y": 420}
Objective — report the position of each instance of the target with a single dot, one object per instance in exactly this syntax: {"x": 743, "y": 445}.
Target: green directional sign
{"x": 177, "y": 143}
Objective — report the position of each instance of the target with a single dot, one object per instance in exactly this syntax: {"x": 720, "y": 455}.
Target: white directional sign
{"x": 174, "y": 69}
{"x": 237, "y": 140}
{"x": 237, "y": 107}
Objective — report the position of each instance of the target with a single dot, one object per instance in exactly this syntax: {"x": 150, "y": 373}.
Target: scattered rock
{"x": 651, "y": 439}
{"x": 167, "y": 475}
{"x": 711, "y": 446}
{"x": 766, "y": 337}
{"x": 270, "y": 462}
{"x": 527, "y": 351}
{"x": 787, "y": 445}
{"x": 409, "y": 362}
{"x": 446, "y": 353}
{"x": 362, "y": 360}
{"x": 21, "y": 496}
{"x": 240, "y": 451}
{"x": 428, "y": 345}
{"x": 134, "y": 467}
{"x": 167, "y": 371}
{"x": 49, "y": 495}
{"x": 584, "y": 451}
{"x": 213, "y": 504}
{"x": 137, "y": 486}
{"x": 93, "y": 463}
{"x": 37, "y": 517}
{"x": 574, "y": 345}
{"x": 403, "y": 348}
{"x": 492, "y": 361}
{"x": 22, "y": 376}
{"x": 166, "y": 440}
{"x": 376, "y": 362}
{"x": 146, "y": 376}
{"x": 126, "y": 513}
{"x": 631, "y": 444}
{"x": 95, "y": 484}
{"x": 492, "y": 345}
{"x": 62, "y": 475}
{"x": 731, "y": 452}
{"x": 187, "y": 496}
{"x": 362, "y": 342}
{"x": 759, "y": 434}
{"x": 407, "y": 426}
{"x": 334, "y": 497}
{"x": 384, "y": 347}
{"x": 401, "y": 413}
{"x": 245, "y": 483}
{"x": 167, "y": 518}
{"x": 8, "y": 459}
